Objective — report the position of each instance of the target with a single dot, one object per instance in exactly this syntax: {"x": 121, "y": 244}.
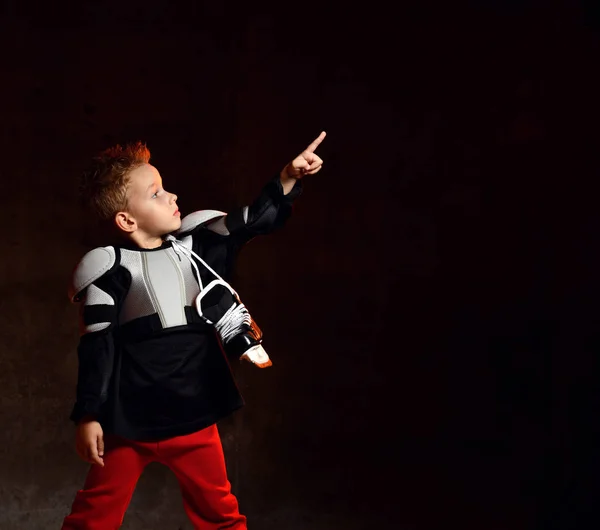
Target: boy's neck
{"x": 144, "y": 240}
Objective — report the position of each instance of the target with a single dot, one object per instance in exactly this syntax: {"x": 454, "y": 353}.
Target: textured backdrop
{"x": 429, "y": 308}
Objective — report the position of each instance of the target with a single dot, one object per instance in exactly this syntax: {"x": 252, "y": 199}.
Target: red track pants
{"x": 198, "y": 463}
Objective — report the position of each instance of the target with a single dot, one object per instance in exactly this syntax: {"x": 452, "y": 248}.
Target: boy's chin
{"x": 174, "y": 227}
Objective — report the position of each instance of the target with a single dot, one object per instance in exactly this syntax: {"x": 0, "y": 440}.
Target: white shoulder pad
{"x": 194, "y": 219}
{"x": 91, "y": 267}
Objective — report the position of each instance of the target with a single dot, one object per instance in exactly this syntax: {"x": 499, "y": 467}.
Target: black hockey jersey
{"x": 150, "y": 367}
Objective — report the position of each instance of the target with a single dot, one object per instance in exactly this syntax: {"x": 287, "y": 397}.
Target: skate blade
{"x": 257, "y": 356}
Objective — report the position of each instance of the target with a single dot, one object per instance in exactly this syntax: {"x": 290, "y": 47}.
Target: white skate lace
{"x": 232, "y": 321}
{"x": 236, "y": 316}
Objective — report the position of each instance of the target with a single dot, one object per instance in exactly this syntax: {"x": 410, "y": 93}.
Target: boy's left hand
{"x": 306, "y": 163}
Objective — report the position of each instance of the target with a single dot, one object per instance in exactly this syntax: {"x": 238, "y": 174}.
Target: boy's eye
{"x": 154, "y": 195}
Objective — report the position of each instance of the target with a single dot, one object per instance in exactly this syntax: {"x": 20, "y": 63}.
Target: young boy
{"x": 157, "y": 315}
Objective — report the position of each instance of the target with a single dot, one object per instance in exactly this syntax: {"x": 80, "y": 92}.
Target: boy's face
{"x": 151, "y": 210}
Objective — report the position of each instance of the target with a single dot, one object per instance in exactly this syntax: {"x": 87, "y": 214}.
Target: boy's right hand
{"x": 89, "y": 441}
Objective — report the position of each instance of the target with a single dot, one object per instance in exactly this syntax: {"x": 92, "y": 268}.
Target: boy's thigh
{"x": 196, "y": 458}
{"x": 124, "y": 462}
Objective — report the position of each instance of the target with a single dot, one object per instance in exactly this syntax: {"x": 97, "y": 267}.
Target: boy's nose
{"x": 173, "y": 197}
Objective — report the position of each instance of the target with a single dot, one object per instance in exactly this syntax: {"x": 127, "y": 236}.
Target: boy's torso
{"x": 170, "y": 375}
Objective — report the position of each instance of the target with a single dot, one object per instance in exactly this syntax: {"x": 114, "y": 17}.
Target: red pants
{"x": 198, "y": 463}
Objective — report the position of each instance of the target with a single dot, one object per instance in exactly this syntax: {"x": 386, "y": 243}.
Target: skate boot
{"x": 219, "y": 305}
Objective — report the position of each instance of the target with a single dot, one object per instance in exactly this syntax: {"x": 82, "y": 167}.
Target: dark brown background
{"x": 431, "y": 308}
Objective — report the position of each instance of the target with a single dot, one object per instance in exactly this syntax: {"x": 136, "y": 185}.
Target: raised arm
{"x": 268, "y": 212}
{"x": 273, "y": 206}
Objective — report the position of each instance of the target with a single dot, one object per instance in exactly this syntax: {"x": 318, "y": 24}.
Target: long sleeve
{"x": 269, "y": 212}
{"x": 219, "y": 241}
{"x": 96, "y": 349}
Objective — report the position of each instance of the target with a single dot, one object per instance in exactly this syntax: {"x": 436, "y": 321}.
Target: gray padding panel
{"x": 93, "y": 265}
{"x": 162, "y": 282}
{"x": 91, "y": 328}
{"x": 96, "y": 296}
{"x": 137, "y": 303}
{"x": 166, "y": 285}
{"x": 194, "y": 219}
{"x": 187, "y": 242}
{"x": 219, "y": 227}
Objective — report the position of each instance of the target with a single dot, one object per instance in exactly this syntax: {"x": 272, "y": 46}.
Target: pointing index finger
{"x": 315, "y": 143}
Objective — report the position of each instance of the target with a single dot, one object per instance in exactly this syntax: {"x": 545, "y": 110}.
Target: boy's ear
{"x": 125, "y": 222}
